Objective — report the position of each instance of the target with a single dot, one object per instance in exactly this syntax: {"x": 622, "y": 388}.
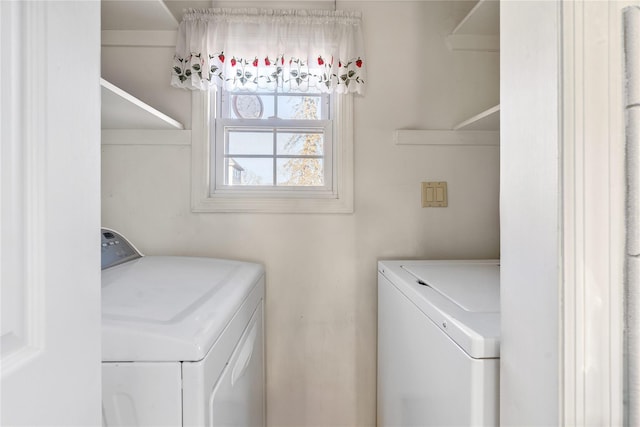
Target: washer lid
{"x": 462, "y": 298}
{"x": 473, "y": 287}
{"x": 170, "y": 308}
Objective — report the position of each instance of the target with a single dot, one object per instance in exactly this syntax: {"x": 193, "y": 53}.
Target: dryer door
{"x": 238, "y": 397}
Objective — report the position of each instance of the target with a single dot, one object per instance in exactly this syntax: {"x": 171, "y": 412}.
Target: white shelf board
{"x": 121, "y": 110}
{"x": 483, "y": 19}
{"x": 487, "y": 120}
{"x": 145, "y": 137}
{"x": 446, "y": 137}
{"x": 474, "y": 42}
{"x": 481, "y": 129}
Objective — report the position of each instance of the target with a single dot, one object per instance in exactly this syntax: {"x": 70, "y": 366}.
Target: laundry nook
{"x": 329, "y": 213}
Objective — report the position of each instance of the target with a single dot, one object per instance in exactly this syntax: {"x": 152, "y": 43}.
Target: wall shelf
{"x": 486, "y": 120}
{"x": 145, "y": 137}
{"x": 127, "y": 120}
{"x": 479, "y": 29}
{"x": 446, "y": 137}
{"x": 121, "y": 110}
{"x": 481, "y": 129}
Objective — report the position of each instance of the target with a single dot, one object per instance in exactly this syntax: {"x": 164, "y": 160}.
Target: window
{"x": 273, "y": 142}
{"x": 271, "y": 151}
{"x": 265, "y": 137}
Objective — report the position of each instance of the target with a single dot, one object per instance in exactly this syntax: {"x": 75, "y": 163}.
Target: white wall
{"x": 529, "y": 213}
{"x": 321, "y": 269}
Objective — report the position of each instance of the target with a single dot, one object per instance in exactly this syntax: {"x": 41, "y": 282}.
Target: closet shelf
{"x": 481, "y": 129}
{"x": 479, "y": 29}
{"x": 486, "y": 120}
{"x": 121, "y": 110}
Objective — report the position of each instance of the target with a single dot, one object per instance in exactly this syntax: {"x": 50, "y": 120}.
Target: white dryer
{"x": 438, "y": 343}
{"x": 182, "y": 339}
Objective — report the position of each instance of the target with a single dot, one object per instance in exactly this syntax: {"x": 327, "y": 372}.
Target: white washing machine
{"x": 182, "y": 339}
{"x": 438, "y": 343}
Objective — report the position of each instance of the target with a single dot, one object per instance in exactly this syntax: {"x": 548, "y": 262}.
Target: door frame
{"x": 593, "y": 214}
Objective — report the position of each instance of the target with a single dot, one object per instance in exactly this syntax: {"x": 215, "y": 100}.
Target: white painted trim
{"x": 24, "y": 137}
{"x": 445, "y": 137}
{"x": 530, "y": 221}
{"x": 592, "y": 215}
{"x": 632, "y": 250}
{"x": 200, "y": 151}
{"x": 145, "y": 137}
{"x": 228, "y": 122}
{"x": 132, "y": 38}
{"x": 203, "y": 201}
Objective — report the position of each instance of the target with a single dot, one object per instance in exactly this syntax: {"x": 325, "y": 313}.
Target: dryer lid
{"x": 170, "y": 308}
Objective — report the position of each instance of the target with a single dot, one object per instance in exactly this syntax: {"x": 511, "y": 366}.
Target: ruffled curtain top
{"x": 260, "y": 49}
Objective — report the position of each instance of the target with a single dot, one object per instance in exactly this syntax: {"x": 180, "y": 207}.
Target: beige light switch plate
{"x": 434, "y": 194}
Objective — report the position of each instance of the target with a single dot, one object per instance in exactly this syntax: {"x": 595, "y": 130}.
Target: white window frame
{"x": 206, "y": 198}
{"x": 224, "y": 124}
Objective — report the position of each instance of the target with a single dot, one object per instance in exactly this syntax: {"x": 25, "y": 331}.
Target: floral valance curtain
{"x": 254, "y": 49}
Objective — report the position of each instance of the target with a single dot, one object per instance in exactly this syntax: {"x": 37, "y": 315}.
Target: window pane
{"x": 300, "y": 144}
{"x": 299, "y": 107}
{"x": 269, "y": 102}
{"x": 301, "y": 172}
{"x": 243, "y": 142}
{"x": 248, "y": 171}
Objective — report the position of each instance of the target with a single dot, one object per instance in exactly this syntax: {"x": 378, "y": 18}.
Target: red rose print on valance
{"x": 251, "y": 49}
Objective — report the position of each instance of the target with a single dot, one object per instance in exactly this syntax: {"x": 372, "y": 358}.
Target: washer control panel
{"x": 116, "y": 249}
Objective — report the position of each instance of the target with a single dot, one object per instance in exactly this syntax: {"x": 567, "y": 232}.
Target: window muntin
{"x": 273, "y": 142}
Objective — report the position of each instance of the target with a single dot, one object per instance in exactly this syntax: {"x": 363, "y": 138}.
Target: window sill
{"x": 272, "y": 205}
